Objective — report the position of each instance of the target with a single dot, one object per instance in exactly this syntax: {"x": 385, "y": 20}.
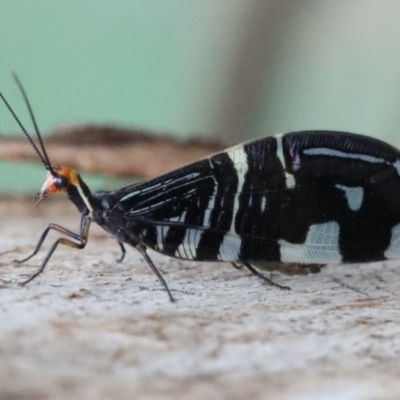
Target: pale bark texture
{"x": 90, "y": 328}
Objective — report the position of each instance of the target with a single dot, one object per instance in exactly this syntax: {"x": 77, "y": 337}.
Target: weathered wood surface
{"x": 94, "y": 329}
{"x": 111, "y": 150}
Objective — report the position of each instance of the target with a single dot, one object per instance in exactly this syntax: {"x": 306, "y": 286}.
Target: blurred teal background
{"x": 234, "y": 69}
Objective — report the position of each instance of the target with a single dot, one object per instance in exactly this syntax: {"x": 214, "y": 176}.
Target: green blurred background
{"x": 234, "y": 69}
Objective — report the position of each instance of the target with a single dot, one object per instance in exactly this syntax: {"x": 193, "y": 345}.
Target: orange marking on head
{"x": 50, "y": 187}
{"x": 69, "y": 173}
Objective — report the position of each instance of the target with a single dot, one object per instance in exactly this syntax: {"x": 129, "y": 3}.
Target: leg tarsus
{"x": 122, "y": 247}
{"x": 50, "y": 252}
{"x": 263, "y": 277}
{"x": 37, "y": 248}
{"x": 32, "y": 277}
{"x": 142, "y": 249}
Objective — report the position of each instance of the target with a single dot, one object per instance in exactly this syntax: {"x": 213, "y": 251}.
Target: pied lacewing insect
{"x": 291, "y": 202}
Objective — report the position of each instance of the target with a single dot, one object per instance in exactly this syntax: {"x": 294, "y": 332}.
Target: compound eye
{"x": 60, "y": 182}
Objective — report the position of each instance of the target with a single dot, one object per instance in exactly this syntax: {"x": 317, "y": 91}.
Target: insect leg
{"x": 142, "y": 249}
{"x": 264, "y": 278}
{"x": 55, "y": 227}
{"x": 82, "y": 238}
{"x": 121, "y": 245}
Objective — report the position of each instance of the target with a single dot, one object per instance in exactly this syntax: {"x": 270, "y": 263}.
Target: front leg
{"x": 81, "y": 238}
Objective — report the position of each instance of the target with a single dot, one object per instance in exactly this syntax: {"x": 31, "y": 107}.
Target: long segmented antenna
{"x": 43, "y": 157}
{"x": 39, "y": 136}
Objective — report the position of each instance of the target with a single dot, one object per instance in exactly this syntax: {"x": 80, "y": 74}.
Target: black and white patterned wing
{"x": 304, "y": 197}
{"x": 188, "y": 213}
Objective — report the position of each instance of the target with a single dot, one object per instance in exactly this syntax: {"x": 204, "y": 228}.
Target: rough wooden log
{"x": 111, "y": 150}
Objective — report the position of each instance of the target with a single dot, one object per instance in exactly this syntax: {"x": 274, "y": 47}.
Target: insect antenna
{"x": 43, "y": 157}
